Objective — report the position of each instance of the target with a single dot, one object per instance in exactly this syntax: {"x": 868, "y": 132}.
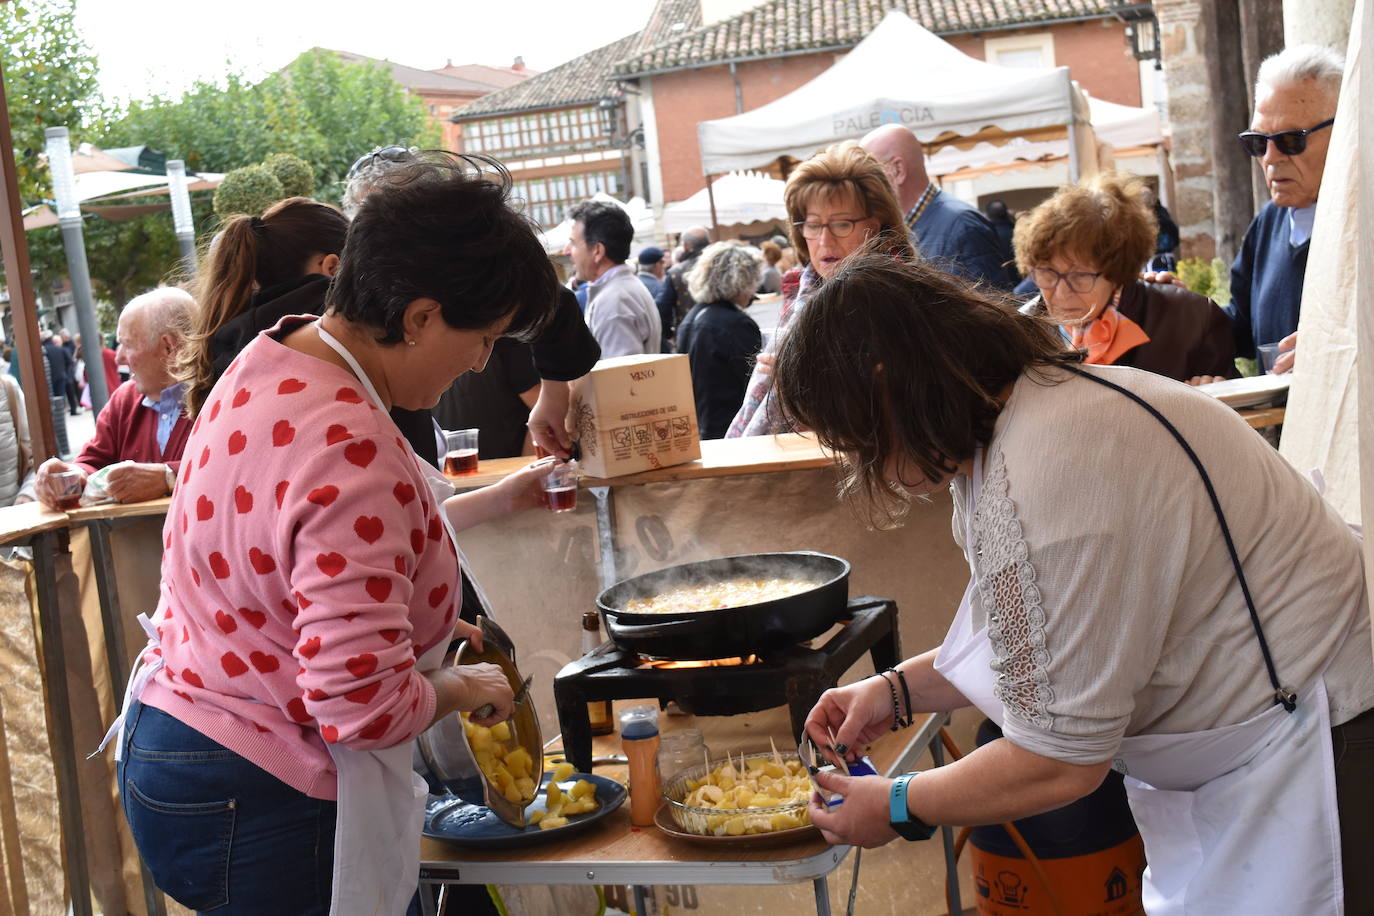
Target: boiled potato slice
{"x": 583, "y": 789}
{"x": 537, "y": 815}
{"x": 562, "y": 772}
{"x": 549, "y": 823}
{"x": 500, "y": 731}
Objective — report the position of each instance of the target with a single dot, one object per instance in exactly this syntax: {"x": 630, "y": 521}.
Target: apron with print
{"x": 1239, "y": 819}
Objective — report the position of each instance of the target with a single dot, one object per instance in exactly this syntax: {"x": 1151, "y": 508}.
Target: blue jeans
{"x": 218, "y": 833}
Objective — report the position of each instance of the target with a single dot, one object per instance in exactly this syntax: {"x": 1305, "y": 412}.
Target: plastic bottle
{"x": 598, "y": 711}
{"x": 639, "y": 739}
{"x": 679, "y": 751}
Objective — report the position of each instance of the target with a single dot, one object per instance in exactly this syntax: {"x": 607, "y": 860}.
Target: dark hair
{"x": 606, "y": 224}
{"x": 895, "y": 356}
{"x": 251, "y": 253}
{"x": 443, "y": 228}
{"x": 997, "y": 211}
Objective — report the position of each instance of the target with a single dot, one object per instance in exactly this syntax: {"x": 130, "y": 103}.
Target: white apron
{"x": 381, "y": 806}
{"x": 1235, "y": 820}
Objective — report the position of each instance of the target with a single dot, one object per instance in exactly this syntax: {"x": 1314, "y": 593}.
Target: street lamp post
{"x": 181, "y": 213}
{"x": 59, "y": 151}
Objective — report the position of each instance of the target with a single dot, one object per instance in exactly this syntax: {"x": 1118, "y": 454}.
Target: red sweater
{"x": 127, "y": 431}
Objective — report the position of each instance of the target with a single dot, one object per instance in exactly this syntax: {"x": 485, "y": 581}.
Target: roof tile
{"x": 579, "y": 81}
{"x": 782, "y": 26}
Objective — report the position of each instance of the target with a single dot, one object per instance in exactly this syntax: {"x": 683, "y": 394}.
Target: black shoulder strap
{"x": 1282, "y": 695}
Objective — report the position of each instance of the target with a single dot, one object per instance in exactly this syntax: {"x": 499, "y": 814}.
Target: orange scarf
{"x": 1109, "y": 337}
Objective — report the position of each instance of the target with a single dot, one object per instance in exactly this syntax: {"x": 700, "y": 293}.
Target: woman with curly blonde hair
{"x": 1084, "y": 248}
{"x": 838, "y": 201}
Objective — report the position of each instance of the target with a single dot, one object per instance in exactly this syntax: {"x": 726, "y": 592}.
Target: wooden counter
{"x": 27, "y": 519}
{"x": 719, "y": 458}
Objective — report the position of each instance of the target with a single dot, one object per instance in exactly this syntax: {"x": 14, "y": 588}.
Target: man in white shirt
{"x": 620, "y": 312}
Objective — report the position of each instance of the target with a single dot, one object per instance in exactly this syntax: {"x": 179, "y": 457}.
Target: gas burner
{"x": 794, "y": 676}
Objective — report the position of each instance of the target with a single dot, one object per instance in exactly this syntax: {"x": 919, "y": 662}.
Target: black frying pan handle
{"x": 664, "y": 628}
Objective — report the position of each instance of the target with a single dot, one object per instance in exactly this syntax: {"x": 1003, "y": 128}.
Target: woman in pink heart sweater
{"x": 309, "y": 582}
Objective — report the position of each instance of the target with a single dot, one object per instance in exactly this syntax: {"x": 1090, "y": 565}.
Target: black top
{"x": 490, "y": 400}
{"x": 61, "y": 366}
{"x": 720, "y": 341}
{"x": 564, "y": 351}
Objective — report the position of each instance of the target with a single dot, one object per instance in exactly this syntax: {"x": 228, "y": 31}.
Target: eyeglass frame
{"x": 1299, "y": 138}
{"x": 388, "y": 153}
{"x": 830, "y": 225}
{"x": 1065, "y": 278}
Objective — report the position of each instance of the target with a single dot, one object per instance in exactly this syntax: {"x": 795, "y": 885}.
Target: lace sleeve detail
{"x": 1011, "y": 602}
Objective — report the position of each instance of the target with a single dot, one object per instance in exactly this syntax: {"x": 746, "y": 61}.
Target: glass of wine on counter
{"x": 460, "y": 455}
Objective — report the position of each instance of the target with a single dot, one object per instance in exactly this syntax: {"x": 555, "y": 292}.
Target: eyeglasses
{"x": 839, "y": 228}
{"x": 385, "y": 154}
{"x": 1079, "y": 281}
{"x": 1288, "y": 142}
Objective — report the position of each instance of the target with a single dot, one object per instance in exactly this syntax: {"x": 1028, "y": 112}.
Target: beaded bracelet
{"x": 896, "y": 708}
{"x": 906, "y": 695}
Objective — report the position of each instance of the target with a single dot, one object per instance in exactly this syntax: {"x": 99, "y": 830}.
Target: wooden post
{"x": 1262, "y": 30}
{"x": 14, "y": 250}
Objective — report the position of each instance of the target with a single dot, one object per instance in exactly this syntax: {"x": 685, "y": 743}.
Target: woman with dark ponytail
{"x": 257, "y": 271}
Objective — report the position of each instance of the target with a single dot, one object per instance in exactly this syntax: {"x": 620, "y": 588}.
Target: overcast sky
{"x": 165, "y": 48}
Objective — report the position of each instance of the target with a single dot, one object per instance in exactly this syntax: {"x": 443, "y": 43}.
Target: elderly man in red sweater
{"x": 144, "y": 421}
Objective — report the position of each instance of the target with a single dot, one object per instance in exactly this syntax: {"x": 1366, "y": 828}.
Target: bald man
{"x": 144, "y": 422}
{"x": 950, "y": 233}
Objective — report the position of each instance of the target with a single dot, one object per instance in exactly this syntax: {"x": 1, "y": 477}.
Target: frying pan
{"x": 727, "y": 632}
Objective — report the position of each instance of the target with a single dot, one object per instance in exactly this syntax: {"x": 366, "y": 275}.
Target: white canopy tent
{"x": 901, "y": 73}
{"x": 740, "y": 197}
{"x": 1118, "y": 126}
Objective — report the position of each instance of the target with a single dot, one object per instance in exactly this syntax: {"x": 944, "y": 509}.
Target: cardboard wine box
{"x": 635, "y": 413}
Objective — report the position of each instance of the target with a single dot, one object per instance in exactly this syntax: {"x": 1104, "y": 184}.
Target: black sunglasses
{"x": 386, "y": 154}
{"x": 1288, "y": 142}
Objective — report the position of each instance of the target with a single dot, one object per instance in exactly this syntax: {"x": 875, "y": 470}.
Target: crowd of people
{"x": 328, "y": 349}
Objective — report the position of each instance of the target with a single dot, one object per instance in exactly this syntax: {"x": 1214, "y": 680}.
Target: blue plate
{"x": 455, "y": 821}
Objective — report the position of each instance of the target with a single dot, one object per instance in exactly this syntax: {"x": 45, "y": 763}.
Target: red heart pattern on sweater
{"x": 226, "y": 623}
{"x": 437, "y": 595}
{"x": 262, "y": 562}
{"x": 310, "y": 647}
{"x": 331, "y": 564}
{"x": 192, "y": 678}
{"x": 282, "y": 433}
{"x": 348, "y": 396}
{"x": 237, "y": 442}
{"x": 205, "y": 508}
{"x": 256, "y": 619}
{"x": 296, "y": 710}
{"x": 369, "y": 528}
{"x": 218, "y": 565}
{"x": 360, "y": 453}
{"x": 265, "y": 663}
{"x": 323, "y": 496}
{"x": 243, "y": 500}
{"x": 417, "y": 540}
{"x": 403, "y": 492}
{"x": 363, "y": 695}
{"x": 290, "y": 386}
{"x": 214, "y": 410}
{"x": 241, "y": 397}
{"x": 204, "y": 456}
{"x": 232, "y": 664}
{"x": 377, "y": 728}
{"x": 361, "y": 666}
{"x": 379, "y": 588}
{"x": 281, "y": 492}
{"x": 436, "y": 528}
{"x": 329, "y": 733}
{"x": 336, "y": 433}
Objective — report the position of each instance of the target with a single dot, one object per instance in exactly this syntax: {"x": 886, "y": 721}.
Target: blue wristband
{"x": 896, "y": 800}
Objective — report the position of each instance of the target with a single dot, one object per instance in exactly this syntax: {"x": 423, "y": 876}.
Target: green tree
{"x": 50, "y": 81}
{"x": 295, "y": 174}
{"x": 319, "y": 108}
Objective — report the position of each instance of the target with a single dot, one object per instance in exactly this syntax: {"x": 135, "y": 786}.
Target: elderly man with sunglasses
{"x": 1295, "y": 105}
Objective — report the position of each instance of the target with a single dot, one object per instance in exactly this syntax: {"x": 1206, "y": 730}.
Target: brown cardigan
{"x": 1189, "y": 335}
